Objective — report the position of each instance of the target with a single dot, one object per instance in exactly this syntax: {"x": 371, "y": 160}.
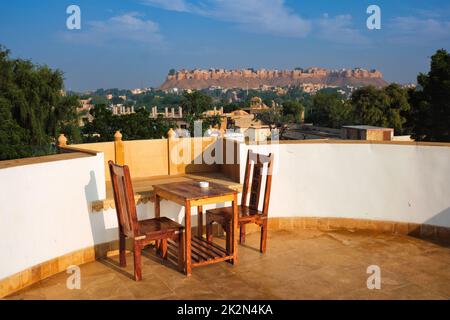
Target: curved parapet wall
{"x": 44, "y": 212}
{"x": 47, "y": 223}
{"x": 406, "y": 182}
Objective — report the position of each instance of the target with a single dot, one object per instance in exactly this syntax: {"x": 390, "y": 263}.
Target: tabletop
{"x": 181, "y": 192}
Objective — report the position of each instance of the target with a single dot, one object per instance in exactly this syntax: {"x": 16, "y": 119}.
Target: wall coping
{"x": 320, "y": 141}
{"x": 44, "y": 159}
{"x": 72, "y": 149}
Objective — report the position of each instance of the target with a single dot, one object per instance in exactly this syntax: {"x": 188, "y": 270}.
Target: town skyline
{"x": 132, "y": 44}
{"x": 308, "y": 76}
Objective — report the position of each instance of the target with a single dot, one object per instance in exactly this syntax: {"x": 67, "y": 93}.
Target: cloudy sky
{"x": 134, "y": 43}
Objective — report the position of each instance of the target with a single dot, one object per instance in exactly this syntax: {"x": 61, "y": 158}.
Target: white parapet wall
{"x": 44, "y": 210}
{"x": 389, "y": 182}
{"x": 45, "y": 206}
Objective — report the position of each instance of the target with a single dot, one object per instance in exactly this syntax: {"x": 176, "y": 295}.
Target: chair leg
{"x": 229, "y": 238}
{"x": 164, "y": 249}
{"x": 180, "y": 251}
{"x": 209, "y": 236}
{"x": 137, "y": 262}
{"x": 122, "y": 247}
{"x": 263, "y": 243}
{"x": 242, "y": 234}
{"x": 158, "y": 246}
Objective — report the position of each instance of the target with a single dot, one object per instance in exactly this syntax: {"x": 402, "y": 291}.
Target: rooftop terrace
{"x": 336, "y": 208}
{"x": 306, "y": 264}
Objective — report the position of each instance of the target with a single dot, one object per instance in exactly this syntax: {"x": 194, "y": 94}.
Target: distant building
{"x": 307, "y": 131}
{"x": 120, "y": 109}
{"x": 232, "y": 96}
{"x": 256, "y": 105}
{"x": 86, "y": 106}
{"x": 367, "y": 133}
{"x": 171, "y": 113}
{"x": 313, "y": 87}
{"x": 409, "y": 86}
{"x": 259, "y": 133}
{"x": 239, "y": 118}
{"x": 137, "y": 91}
{"x": 214, "y": 112}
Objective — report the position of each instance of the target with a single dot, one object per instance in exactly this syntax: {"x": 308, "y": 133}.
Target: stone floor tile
{"x": 302, "y": 264}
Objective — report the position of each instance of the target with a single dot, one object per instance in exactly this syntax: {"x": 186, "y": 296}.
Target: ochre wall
{"x": 158, "y": 157}
{"x": 146, "y": 158}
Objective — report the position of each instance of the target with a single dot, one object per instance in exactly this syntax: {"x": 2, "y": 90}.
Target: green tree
{"x": 386, "y": 107}
{"x": 196, "y": 102}
{"x": 430, "y": 116}
{"x": 369, "y": 106}
{"x": 97, "y": 100}
{"x": 101, "y": 128}
{"x": 330, "y": 110}
{"x": 133, "y": 126}
{"x": 207, "y": 121}
{"x": 31, "y": 99}
{"x": 293, "y": 109}
{"x": 398, "y": 108}
{"x": 230, "y": 107}
{"x": 12, "y": 136}
{"x": 117, "y": 100}
{"x": 276, "y": 120}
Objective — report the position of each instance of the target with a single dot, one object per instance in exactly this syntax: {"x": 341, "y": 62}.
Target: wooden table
{"x": 199, "y": 251}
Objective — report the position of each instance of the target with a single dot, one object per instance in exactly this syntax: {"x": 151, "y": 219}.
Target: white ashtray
{"x": 203, "y": 184}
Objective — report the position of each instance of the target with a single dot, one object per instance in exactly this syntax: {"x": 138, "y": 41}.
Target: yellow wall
{"x": 147, "y": 158}
{"x": 378, "y": 135}
{"x": 184, "y": 152}
{"x": 231, "y": 170}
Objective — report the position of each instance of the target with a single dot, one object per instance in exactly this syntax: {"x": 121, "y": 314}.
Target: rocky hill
{"x": 249, "y": 78}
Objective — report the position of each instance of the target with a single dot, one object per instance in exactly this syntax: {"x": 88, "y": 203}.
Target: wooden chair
{"x": 247, "y": 213}
{"x": 141, "y": 232}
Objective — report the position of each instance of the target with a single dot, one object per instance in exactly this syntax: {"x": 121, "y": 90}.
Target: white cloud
{"x": 339, "y": 29}
{"x": 416, "y": 30}
{"x": 172, "y": 5}
{"x": 257, "y": 16}
{"x": 129, "y": 27}
{"x": 271, "y": 17}
{"x": 261, "y": 16}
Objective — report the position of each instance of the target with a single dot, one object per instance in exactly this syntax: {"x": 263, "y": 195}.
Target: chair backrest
{"x": 253, "y": 180}
{"x": 124, "y": 199}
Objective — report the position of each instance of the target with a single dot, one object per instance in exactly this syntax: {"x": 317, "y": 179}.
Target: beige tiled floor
{"x": 298, "y": 265}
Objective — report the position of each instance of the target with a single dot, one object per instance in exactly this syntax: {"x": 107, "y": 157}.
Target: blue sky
{"x": 134, "y": 43}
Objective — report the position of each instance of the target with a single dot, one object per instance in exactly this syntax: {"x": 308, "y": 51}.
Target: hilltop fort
{"x": 250, "y": 78}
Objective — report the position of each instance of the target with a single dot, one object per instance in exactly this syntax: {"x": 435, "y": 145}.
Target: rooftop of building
{"x": 366, "y": 127}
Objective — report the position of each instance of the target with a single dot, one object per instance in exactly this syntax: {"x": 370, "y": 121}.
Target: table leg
{"x": 187, "y": 231}
{"x": 199, "y": 221}
{"x": 235, "y": 230}
{"x": 157, "y": 206}
{"x": 157, "y": 215}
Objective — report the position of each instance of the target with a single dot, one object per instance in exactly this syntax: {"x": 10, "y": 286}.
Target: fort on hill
{"x": 250, "y": 78}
